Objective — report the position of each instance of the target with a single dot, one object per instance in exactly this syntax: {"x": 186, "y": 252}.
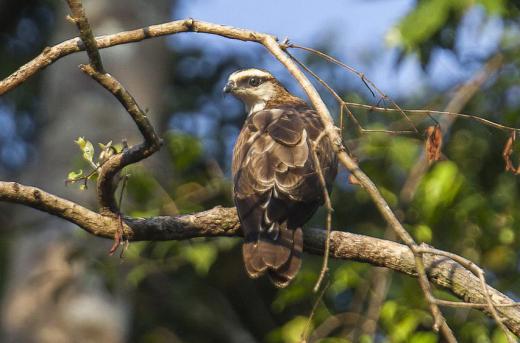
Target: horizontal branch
{"x": 51, "y": 54}
{"x": 219, "y": 221}
{"x": 181, "y": 227}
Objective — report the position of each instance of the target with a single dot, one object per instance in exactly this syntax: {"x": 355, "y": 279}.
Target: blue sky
{"x": 356, "y": 32}
{"x": 357, "y": 29}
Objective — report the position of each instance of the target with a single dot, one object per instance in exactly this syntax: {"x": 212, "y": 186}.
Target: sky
{"x": 357, "y": 29}
{"x": 355, "y": 32}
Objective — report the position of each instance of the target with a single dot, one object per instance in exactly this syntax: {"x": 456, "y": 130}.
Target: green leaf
{"x": 290, "y": 332}
{"x": 87, "y": 148}
{"x": 405, "y": 328}
{"x": 185, "y": 149}
{"x": 424, "y": 337}
{"x": 81, "y": 142}
{"x": 439, "y": 188}
{"x": 494, "y": 7}
{"x": 423, "y": 233}
{"x": 345, "y": 276}
{"x": 88, "y": 151}
{"x": 388, "y": 311}
{"x": 75, "y": 175}
{"x": 422, "y": 23}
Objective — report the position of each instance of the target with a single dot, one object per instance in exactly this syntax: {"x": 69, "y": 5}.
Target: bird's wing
{"x": 273, "y": 163}
{"x": 276, "y": 187}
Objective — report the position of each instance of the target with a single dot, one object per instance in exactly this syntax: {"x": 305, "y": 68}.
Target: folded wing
{"x": 276, "y": 187}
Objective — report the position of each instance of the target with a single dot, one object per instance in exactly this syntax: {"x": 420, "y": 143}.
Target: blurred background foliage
{"x": 197, "y": 291}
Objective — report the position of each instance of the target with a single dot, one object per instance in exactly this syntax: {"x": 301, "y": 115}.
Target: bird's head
{"x": 254, "y": 87}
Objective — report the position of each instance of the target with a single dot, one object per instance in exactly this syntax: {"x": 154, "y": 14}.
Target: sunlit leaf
{"x": 439, "y": 188}
{"x": 506, "y": 236}
{"x": 74, "y": 175}
{"x": 87, "y": 148}
{"x": 388, "y": 311}
{"x": 422, "y": 22}
{"x": 290, "y": 332}
{"x": 423, "y": 233}
{"x": 424, "y": 337}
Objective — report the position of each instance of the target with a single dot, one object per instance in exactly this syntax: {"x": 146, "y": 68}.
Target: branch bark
{"x": 174, "y": 228}
{"x": 219, "y": 221}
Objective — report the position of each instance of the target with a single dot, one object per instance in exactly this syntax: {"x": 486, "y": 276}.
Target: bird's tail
{"x": 279, "y": 256}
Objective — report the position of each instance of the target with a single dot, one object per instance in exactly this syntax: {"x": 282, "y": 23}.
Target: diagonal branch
{"x": 87, "y": 36}
{"x": 49, "y": 55}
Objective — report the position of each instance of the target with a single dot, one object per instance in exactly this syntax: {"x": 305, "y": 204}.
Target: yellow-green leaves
{"x": 88, "y": 153}
{"x": 439, "y": 188}
{"x": 88, "y": 150}
{"x": 75, "y": 175}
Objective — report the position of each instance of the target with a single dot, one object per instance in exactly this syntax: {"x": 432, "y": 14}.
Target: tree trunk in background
{"x": 52, "y": 295}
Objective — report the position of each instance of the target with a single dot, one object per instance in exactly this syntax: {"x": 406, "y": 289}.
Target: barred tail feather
{"x": 282, "y": 276}
{"x": 279, "y": 256}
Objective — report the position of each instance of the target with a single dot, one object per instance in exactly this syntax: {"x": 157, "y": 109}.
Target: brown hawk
{"x": 276, "y": 187}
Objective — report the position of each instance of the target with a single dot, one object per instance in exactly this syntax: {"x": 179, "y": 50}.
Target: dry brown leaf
{"x": 353, "y": 180}
{"x": 433, "y": 143}
{"x": 508, "y": 151}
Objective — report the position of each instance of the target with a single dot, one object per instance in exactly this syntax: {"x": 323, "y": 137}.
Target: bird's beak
{"x": 229, "y": 87}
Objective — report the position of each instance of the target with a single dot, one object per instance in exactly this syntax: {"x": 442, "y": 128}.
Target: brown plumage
{"x": 276, "y": 187}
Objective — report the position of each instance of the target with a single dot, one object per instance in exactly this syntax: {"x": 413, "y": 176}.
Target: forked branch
{"x": 223, "y": 221}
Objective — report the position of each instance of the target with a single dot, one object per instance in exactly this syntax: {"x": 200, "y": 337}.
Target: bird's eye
{"x": 254, "y": 81}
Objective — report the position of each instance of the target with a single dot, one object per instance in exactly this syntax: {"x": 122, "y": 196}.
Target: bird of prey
{"x": 276, "y": 187}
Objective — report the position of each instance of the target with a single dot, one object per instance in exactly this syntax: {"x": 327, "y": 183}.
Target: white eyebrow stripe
{"x": 248, "y": 73}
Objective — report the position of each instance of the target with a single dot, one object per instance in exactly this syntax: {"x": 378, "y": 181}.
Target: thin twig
{"x": 50, "y": 55}
{"x": 344, "y": 105}
{"x": 370, "y": 85}
{"x": 305, "y": 333}
{"x": 328, "y": 207}
{"x": 433, "y": 112}
{"x": 131, "y": 155}
{"x": 277, "y": 50}
{"x": 493, "y": 310}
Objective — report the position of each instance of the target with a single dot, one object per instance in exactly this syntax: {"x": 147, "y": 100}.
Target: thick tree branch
{"x": 50, "y": 55}
{"x": 132, "y": 227}
{"x": 441, "y": 270}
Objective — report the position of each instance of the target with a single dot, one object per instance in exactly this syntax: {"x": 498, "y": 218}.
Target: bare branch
{"x": 108, "y": 170}
{"x": 87, "y": 37}
{"x": 370, "y": 85}
{"x": 328, "y": 207}
{"x": 132, "y": 227}
{"x": 50, "y": 55}
{"x": 217, "y": 222}
{"x": 152, "y": 143}
{"x": 272, "y": 45}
